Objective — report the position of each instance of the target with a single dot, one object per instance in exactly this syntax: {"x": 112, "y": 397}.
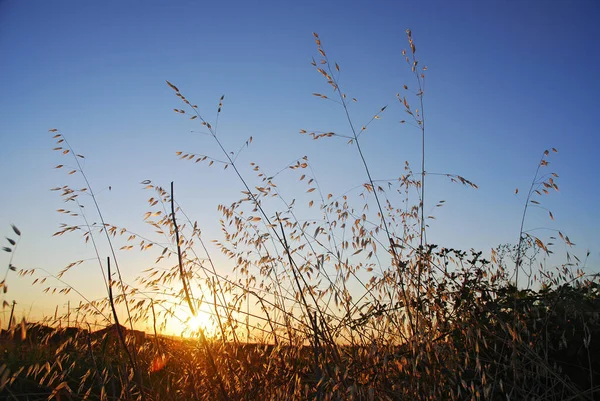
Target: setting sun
{"x": 196, "y": 323}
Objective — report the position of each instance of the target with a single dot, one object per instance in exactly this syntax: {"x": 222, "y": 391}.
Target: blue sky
{"x": 505, "y": 80}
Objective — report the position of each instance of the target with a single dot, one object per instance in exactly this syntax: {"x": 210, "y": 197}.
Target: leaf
{"x": 550, "y": 213}
{"x": 516, "y": 191}
{"x": 310, "y": 190}
{"x": 540, "y": 244}
{"x": 173, "y": 86}
{"x": 52, "y": 130}
{"x": 23, "y": 329}
{"x": 6, "y": 249}
{"x": 62, "y": 385}
{"x": 11, "y": 241}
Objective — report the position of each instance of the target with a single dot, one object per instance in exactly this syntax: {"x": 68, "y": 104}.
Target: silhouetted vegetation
{"x": 353, "y": 304}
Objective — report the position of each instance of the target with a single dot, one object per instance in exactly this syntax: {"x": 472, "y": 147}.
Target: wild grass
{"x": 353, "y": 304}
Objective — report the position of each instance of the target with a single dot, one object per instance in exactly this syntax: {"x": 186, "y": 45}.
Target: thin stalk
{"x": 251, "y": 195}
{"x": 188, "y": 298}
{"x": 101, "y": 217}
{"x": 344, "y": 104}
{"x": 121, "y": 335}
{"x": 518, "y": 263}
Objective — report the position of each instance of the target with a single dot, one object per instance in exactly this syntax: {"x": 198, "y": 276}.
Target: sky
{"x": 505, "y": 81}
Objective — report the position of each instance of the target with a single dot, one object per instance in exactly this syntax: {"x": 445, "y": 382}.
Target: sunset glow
{"x": 197, "y": 323}
{"x": 299, "y": 200}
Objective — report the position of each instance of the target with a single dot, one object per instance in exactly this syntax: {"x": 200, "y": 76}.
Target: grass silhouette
{"x": 353, "y": 304}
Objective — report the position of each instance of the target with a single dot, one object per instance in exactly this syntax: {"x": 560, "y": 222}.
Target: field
{"x": 355, "y": 304}
{"x": 474, "y": 358}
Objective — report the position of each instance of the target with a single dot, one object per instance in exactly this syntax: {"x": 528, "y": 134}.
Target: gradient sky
{"x": 505, "y": 80}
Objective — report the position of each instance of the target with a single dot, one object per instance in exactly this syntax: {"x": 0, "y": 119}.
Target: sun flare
{"x": 197, "y": 323}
